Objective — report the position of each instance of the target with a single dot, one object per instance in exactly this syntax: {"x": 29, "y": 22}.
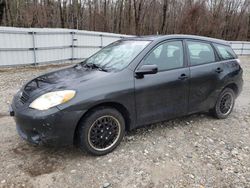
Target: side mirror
{"x": 146, "y": 69}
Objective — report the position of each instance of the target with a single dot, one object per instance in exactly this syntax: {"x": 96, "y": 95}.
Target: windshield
{"x": 117, "y": 55}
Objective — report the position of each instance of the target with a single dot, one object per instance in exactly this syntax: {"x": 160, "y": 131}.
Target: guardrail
{"x": 241, "y": 48}
{"x": 21, "y": 46}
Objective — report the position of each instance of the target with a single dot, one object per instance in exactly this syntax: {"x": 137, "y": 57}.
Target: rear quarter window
{"x": 225, "y": 52}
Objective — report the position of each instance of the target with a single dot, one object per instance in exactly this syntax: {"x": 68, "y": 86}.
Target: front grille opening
{"x": 24, "y": 97}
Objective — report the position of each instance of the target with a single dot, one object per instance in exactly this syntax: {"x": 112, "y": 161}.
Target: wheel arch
{"x": 118, "y": 106}
{"x": 234, "y": 87}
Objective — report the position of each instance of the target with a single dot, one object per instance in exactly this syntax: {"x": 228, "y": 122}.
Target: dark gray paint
{"x": 143, "y": 100}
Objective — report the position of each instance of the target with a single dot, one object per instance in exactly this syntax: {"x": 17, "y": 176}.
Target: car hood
{"x": 66, "y": 78}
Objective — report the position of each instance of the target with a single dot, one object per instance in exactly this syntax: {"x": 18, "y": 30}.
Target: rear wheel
{"x": 224, "y": 104}
{"x": 101, "y": 131}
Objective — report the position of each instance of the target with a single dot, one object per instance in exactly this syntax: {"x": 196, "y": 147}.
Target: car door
{"x": 206, "y": 73}
{"x": 163, "y": 95}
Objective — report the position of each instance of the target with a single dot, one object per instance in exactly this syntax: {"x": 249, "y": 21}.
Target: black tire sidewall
{"x": 217, "y": 111}
{"x": 86, "y": 123}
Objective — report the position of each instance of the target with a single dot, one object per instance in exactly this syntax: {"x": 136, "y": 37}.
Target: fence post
{"x": 242, "y": 48}
{"x": 72, "y": 46}
{"x": 34, "y": 46}
{"x": 101, "y": 40}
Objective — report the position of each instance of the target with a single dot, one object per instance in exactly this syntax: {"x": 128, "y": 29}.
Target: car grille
{"x": 24, "y": 97}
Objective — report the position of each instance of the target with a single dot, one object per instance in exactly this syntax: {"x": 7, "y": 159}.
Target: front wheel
{"x": 101, "y": 131}
{"x": 225, "y": 103}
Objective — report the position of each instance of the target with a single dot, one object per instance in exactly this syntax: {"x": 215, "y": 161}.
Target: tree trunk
{"x": 129, "y": 15}
{"x": 248, "y": 28}
{"x": 75, "y": 14}
{"x": 120, "y": 17}
{"x": 164, "y": 13}
{"x": 2, "y": 7}
{"x": 90, "y": 15}
{"x": 137, "y": 10}
{"x": 61, "y": 12}
{"x": 8, "y": 13}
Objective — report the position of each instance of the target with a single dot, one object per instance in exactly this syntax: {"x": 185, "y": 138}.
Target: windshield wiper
{"x": 95, "y": 66}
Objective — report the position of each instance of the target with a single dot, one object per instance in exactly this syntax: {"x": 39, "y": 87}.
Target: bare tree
{"x": 227, "y": 19}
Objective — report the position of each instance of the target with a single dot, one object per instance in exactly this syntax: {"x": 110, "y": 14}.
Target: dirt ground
{"x": 194, "y": 151}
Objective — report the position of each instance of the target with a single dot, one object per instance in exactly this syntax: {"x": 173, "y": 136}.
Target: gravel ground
{"x": 194, "y": 151}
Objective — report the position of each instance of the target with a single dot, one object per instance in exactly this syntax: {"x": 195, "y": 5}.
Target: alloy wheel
{"x": 104, "y": 133}
{"x": 226, "y": 103}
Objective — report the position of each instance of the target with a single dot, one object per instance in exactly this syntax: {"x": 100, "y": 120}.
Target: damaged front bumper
{"x": 52, "y": 127}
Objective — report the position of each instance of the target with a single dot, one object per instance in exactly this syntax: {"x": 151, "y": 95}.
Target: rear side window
{"x": 225, "y": 52}
{"x": 200, "y": 52}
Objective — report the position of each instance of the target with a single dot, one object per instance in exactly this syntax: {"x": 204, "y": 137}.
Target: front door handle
{"x": 183, "y": 77}
{"x": 219, "y": 70}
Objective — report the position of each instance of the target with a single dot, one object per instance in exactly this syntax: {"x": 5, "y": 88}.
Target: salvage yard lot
{"x": 194, "y": 151}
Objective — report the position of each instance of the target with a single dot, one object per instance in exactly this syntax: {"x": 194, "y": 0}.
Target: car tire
{"x": 101, "y": 131}
{"x": 224, "y": 104}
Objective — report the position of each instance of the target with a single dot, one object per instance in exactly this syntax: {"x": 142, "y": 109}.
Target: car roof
{"x": 168, "y": 37}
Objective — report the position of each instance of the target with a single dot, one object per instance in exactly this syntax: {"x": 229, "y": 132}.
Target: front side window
{"x": 225, "y": 52}
{"x": 117, "y": 55}
{"x": 200, "y": 52}
{"x": 166, "y": 56}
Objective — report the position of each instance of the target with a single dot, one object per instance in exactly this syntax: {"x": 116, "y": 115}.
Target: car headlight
{"x": 52, "y": 99}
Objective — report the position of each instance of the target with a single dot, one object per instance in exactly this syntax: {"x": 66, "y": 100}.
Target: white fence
{"x": 27, "y": 46}
{"x": 241, "y": 47}
{"x": 21, "y": 46}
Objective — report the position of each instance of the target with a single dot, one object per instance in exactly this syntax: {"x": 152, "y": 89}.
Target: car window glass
{"x": 117, "y": 55}
{"x": 225, "y": 51}
{"x": 166, "y": 56}
{"x": 200, "y": 53}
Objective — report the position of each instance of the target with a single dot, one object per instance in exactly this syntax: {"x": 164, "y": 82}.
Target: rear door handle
{"x": 183, "y": 77}
{"x": 219, "y": 70}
